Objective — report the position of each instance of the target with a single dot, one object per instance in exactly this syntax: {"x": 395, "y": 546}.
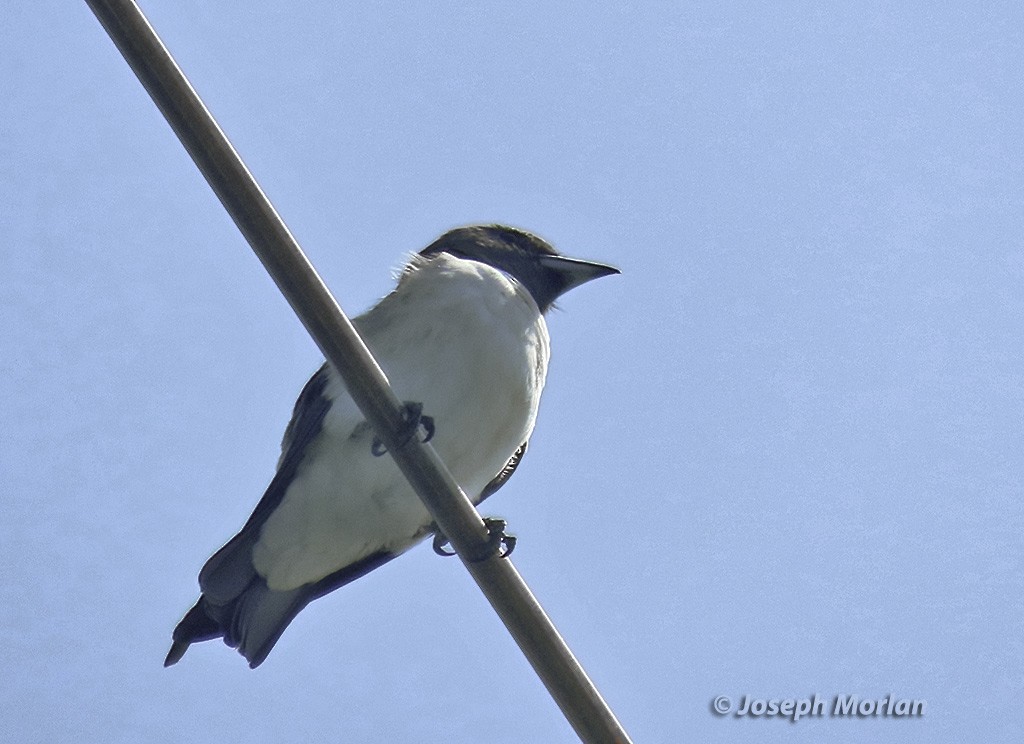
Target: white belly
{"x": 469, "y": 344}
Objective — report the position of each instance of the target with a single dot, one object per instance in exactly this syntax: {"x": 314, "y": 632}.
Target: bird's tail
{"x": 252, "y": 622}
{"x": 253, "y": 618}
{"x": 196, "y": 626}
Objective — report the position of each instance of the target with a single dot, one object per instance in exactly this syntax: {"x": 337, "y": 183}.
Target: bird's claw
{"x": 412, "y": 413}
{"x": 440, "y": 541}
{"x": 497, "y": 541}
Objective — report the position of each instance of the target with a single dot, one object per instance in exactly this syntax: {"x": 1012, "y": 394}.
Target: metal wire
{"x": 531, "y": 628}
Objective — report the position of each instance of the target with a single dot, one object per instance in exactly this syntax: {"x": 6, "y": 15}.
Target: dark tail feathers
{"x": 255, "y": 618}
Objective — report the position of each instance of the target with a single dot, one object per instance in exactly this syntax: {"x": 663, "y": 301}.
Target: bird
{"x": 463, "y": 335}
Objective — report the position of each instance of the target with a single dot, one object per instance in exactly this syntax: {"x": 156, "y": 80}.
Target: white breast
{"x": 467, "y": 342}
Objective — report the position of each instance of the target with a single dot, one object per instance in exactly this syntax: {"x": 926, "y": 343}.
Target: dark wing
{"x": 506, "y": 472}
{"x": 230, "y": 569}
{"x": 236, "y": 602}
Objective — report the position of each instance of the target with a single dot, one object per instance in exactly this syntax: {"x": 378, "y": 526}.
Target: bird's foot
{"x": 497, "y": 541}
{"x": 412, "y": 413}
{"x": 439, "y": 545}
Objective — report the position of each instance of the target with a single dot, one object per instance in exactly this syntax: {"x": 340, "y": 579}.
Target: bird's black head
{"x": 525, "y": 257}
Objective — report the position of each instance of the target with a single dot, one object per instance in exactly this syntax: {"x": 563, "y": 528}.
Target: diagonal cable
{"x": 332, "y": 331}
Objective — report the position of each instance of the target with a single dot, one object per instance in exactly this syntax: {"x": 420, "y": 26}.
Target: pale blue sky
{"x": 780, "y": 455}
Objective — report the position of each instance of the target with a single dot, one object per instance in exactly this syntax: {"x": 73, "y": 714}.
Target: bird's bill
{"x": 576, "y": 271}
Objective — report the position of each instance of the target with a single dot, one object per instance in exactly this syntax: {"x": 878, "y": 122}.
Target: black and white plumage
{"x": 464, "y": 334}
